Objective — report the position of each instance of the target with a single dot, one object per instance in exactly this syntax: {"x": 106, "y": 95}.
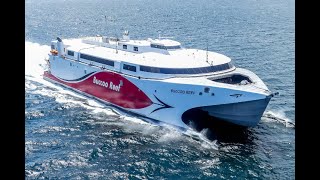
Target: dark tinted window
{"x": 234, "y": 79}
{"x": 124, "y": 46}
{"x": 173, "y": 47}
{"x": 70, "y": 53}
{"x": 157, "y": 46}
{"x": 164, "y": 47}
{"x": 96, "y": 59}
{"x": 135, "y": 48}
{"x": 201, "y": 70}
{"x": 129, "y": 67}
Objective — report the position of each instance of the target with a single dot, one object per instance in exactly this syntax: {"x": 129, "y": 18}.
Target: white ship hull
{"x": 167, "y": 99}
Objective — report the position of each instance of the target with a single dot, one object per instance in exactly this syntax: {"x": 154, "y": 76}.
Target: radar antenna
{"x": 126, "y": 36}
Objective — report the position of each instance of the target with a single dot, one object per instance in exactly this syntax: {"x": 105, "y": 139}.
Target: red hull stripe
{"x": 110, "y": 87}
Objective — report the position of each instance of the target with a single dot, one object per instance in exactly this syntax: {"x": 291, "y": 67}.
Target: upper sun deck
{"x": 143, "y": 58}
{"x": 163, "y": 53}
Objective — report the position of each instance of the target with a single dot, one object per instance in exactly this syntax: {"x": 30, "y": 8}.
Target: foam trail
{"x": 35, "y": 55}
{"x": 133, "y": 119}
{"x": 279, "y": 116}
{"x": 170, "y": 134}
{"x": 35, "y": 64}
{"x": 201, "y": 137}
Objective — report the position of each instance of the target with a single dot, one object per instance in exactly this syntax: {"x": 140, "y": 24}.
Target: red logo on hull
{"x": 110, "y": 87}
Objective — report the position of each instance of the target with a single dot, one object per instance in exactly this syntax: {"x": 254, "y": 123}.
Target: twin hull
{"x": 160, "y": 100}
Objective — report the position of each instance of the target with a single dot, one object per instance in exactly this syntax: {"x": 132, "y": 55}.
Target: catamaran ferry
{"x": 158, "y": 79}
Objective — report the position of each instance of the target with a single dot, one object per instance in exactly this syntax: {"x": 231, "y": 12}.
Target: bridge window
{"x": 158, "y": 46}
{"x": 129, "y": 67}
{"x": 173, "y": 47}
{"x": 124, "y": 46}
{"x": 70, "y": 53}
{"x": 135, "y": 48}
{"x": 164, "y": 47}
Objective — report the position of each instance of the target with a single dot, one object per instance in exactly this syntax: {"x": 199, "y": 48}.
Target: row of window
{"x": 200, "y": 70}
{"x": 96, "y": 59}
{"x": 104, "y": 61}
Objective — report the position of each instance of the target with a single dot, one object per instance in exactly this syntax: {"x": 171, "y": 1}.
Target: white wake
{"x": 278, "y": 116}
{"x": 35, "y": 65}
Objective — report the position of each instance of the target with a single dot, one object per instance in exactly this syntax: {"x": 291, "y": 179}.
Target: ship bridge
{"x": 161, "y": 45}
{"x": 165, "y": 44}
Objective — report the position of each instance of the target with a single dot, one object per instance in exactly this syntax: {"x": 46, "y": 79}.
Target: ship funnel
{"x": 126, "y": 35}
{"x": 60, "y": 47}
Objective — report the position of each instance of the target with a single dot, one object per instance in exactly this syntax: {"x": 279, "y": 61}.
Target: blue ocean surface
{"x": 69, "y": 136}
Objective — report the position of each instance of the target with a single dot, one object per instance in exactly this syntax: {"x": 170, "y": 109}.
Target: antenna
{"x": 117, "y": 47}
{"x": 207, "y": 52}
{"x": 105, "y": 22}
{"x": 117, "y": 44}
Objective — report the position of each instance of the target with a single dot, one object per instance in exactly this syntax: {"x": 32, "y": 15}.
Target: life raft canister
{"x": 54, "y": 52}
